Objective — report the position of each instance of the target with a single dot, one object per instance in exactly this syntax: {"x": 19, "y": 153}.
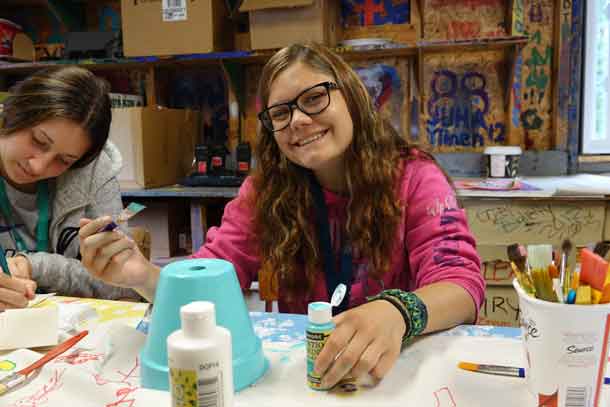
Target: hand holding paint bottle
{"x": 320, "y": 327}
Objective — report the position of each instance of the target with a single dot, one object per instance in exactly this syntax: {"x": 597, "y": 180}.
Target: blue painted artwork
{"x": 458, "y": 107}
{"x": 375, "y": 12}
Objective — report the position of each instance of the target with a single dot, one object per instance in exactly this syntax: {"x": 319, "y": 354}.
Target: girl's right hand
{"x": 114, "y": 258}
{"x": 15, "y": 292}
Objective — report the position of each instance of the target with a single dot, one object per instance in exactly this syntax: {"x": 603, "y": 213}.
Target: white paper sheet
{"x": 103, "y": 371}
{"x": 28, "y": 328}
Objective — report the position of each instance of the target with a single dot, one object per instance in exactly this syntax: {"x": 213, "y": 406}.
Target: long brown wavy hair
{"x": 284, "y": 203}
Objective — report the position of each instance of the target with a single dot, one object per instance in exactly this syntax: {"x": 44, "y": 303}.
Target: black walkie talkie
{"x": 243, "y": 154}
{"x": 202, "y": 155}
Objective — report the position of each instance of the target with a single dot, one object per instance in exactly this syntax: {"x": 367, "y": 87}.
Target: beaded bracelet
{"x": 411, "y": 307}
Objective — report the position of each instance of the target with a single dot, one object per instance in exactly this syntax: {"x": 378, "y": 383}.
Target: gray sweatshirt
{"x": 87, "y": 192}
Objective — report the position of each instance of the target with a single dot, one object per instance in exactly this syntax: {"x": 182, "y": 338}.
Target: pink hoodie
{"x": 433, "y": 241}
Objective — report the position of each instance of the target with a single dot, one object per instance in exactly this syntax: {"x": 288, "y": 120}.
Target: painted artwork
{"x": 390, "y": 20}
{"x": 375, "y": 12}
{"x": 386, "y": 89}
{"x": 536, "y": 85}
{"x": 463, "y": 103}
{"x": 464, "y": 19}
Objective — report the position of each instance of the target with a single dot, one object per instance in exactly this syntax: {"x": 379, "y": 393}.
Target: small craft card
{"x": 28, "y": 327}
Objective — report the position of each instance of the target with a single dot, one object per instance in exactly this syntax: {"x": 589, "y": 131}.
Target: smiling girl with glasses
{"x": 337, "y": 197}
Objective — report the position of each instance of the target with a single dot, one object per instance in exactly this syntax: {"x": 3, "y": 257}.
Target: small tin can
{"x": 502, "y": 161}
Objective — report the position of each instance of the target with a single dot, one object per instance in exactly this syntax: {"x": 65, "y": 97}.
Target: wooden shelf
{"x": 180, "y": 191}
{"x": 260, "y": 57}
{"x": 472, "y": 45}
{"x": 150, "y": 64}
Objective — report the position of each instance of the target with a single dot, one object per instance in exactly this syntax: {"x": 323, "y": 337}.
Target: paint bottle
{"x": 200, "y": 359}
{"x": 318, "y": 330}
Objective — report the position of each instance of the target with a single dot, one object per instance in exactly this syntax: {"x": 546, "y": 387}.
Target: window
{"x": 596, "y": 101}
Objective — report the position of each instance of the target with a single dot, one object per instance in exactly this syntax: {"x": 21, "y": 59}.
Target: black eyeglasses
{"x": 311, "y": 101}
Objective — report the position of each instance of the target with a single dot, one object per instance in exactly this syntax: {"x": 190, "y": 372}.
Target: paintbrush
{"x": 17, "y": 378}
{"x": 539, "y": 258}
{"x": 500, "y": 370}
{"x": 564, "y": 276}
{"x": 518, "y": 261}
{"x": 131, "y": 210}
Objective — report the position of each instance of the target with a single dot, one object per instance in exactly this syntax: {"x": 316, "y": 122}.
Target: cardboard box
{"x": 279, "y": 23}
{"x": 157, "y": 145}
{"x": 198, "y": 26}
{"x": 501, "y": 307}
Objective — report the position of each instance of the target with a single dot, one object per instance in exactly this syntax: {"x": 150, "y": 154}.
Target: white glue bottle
{"x": 200, "y": 359}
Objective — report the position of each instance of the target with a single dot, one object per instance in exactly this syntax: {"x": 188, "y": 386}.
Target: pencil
{"x": 19, "y": 377}
{"x": 500, "y": 370}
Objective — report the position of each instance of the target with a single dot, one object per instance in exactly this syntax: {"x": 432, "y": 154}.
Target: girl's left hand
{"x": 20, "y": 267}
{"x": 367, "y": 339}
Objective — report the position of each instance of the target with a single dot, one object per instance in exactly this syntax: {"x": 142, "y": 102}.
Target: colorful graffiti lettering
{"x": 531, "y": 120}
{"x": 457, "y": 109}
{"x": 535, "y": 14}
{"x": 516, "y": 112}
{"x": 518, "y": 14}
{"x": 497, "y": 270}
{"x": 464, "y": 29}
{"x": 538, "y": 64}
{"x": 376, "y": 12}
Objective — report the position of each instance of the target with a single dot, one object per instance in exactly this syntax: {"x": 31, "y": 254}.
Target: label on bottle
{"x": 315, "y": 343}
{"x": 201, "y": 387}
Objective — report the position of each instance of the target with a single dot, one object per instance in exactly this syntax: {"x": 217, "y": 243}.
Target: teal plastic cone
{"x": 212, "y": 280}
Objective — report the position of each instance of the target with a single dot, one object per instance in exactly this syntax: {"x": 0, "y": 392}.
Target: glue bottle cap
{"x": 198, "y": 319}
{"x": 319, "y": 312}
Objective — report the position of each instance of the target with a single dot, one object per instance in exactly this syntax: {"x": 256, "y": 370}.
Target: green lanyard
{"x": 42, "y": 227}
